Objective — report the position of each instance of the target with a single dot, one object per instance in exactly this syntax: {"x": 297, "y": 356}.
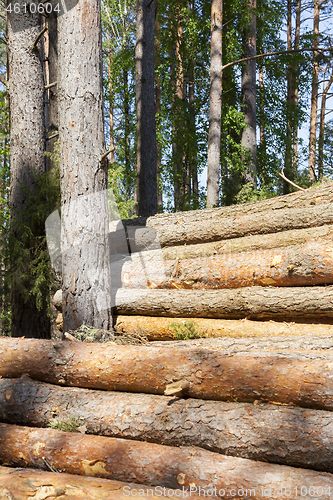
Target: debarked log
{"x": 160, "y": 328}
{"x": 276, "y": 303}
{"x": 155, "y": 465}
{"x": 296, "y": 377}
{"x": 297, "y": 265}
{"x": 28, "y": 484}
{"x": 277, "y": 434}
{"x": 199, "y": 227}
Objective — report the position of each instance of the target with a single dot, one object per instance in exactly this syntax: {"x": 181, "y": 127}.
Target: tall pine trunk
{"x": 145, "y": 108}
{"x": 314, "y": 94}
{"x": 215, "y": 103}
{"x": 83, "y": 170}
{"x": 322, "y": 127}
{"x": 51, "y": 53}
{"x": 249, "y": 141}
{"x": 27, "y": 146}
{"x": 158, "y": 109}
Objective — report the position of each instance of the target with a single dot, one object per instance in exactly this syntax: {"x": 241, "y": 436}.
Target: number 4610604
{"x": 33, "y": 8}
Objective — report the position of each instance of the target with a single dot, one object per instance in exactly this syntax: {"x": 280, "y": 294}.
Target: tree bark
{"x": 314, "y": 93}
{"x": 249, "y": 140}
{"x": 146, "y": 163}
{"x": 216, "y": 370}
{"x": 158, "y": 109}
{"x": 27, "y": 146}
{"x": 86, "y": 280}
{"x": 26, "y": 484}
{"x": 297, "y": 265}
{"x": 201, "y": 227}
{"x": 269, "y": 433}
{"x": 322, "y": 127}
{"x": 248, "y": 243}
{"x": 276, "y": 303}
{"x": 52, "y": 77}
{"x": 153, "y": 464}
{"x": 159, "y": 328}
{"x": 215, "y": 106}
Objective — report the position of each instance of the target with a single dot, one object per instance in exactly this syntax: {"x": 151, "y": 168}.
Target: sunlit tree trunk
{"x": 215, "y": 103}
{"x": 314, "y": 95}
{"x": 83, "y": 169}
{"x": 52, "y": 75}
{"x": 322, "y": 127}
{"x": 249, "y": 141}
{"x": 145, "y": 108}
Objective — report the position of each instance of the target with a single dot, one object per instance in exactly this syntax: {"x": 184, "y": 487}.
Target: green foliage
{"x": 186, "y": 330}
{"x": 68, "y": 424}
{"x": 23, "y": 246}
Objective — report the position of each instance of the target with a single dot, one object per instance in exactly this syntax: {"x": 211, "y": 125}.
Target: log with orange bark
{"x": 28, "y": 484}
{"x": 310, "y": 263}
{"x": 184, "y": 468}
{"x": 297, "y": 372}
{"x": 308, "y": 209}
{"x": 270, "y": 433}
{"x": 161, "y": 328}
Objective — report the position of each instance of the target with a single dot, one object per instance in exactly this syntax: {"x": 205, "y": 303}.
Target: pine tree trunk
{"x": 27, "y": 146}
{"x": 158, "y": 110}
{"x": 145, "y": 108}
{"x": 159, "y": 328}
{"x": 52, "y": 77}
{"x": 258, "y": 432}
{"x": 86, "y": 267}
{"x": 215, "y": 104}
{"x": 282, "y": 303}
{"x": 249, "y": 141}
{"x": 155, "y": 465}
{"x": 28, "y": 483}
{"x": 297, "y": 265}
{"x": 322, "y": 127}
{"x": 314, "y": 94}
{"x": 290, "y": 371}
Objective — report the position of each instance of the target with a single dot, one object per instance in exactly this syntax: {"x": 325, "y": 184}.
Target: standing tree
{"x": 214, "y": 137}
{"x": 146, "y": 193}
{"x": 248, "y": 140}
{"x": 27, "y": 146}
{"x": 83, "y": 168}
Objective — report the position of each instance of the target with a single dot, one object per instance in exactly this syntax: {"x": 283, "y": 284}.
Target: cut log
{"x": 159, "y": 328}
{"x": 297, "y": 377}
{"x": 297, "y": 265}
{"x": 269, "y": 433}
{"x": 277, "y": 303}
{"x": 187, "y": 467}
{"x": 248, "y": 243}
{"x": 269, "y": 216}
{"x": 32, "y": 484}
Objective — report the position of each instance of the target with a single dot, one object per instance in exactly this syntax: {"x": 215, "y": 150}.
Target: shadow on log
{"x": 155, "y": 464}
{"x": 278, "y": 434}
{"x": 255, "y": 372}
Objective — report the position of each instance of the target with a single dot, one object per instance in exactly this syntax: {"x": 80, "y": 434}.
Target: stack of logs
{"x": 246, "y": 414}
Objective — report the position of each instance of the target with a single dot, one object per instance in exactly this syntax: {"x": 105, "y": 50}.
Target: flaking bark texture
{"x": 28, "y": 484}
{"x": 214, "y": 369}
{"x": 297, "y": 265}
{"x": 159, "y": 328}
{"x": 84, "y": 212}
{"x": 152, "y": 464}
{"x": 270, "y": 433}
{"x": 313, "y": 303}
{"x": 208, "y": 226}
{"x": 27, "y": 145}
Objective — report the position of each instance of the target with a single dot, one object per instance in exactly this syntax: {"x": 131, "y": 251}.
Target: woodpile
{"x": 238, "y": 407}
